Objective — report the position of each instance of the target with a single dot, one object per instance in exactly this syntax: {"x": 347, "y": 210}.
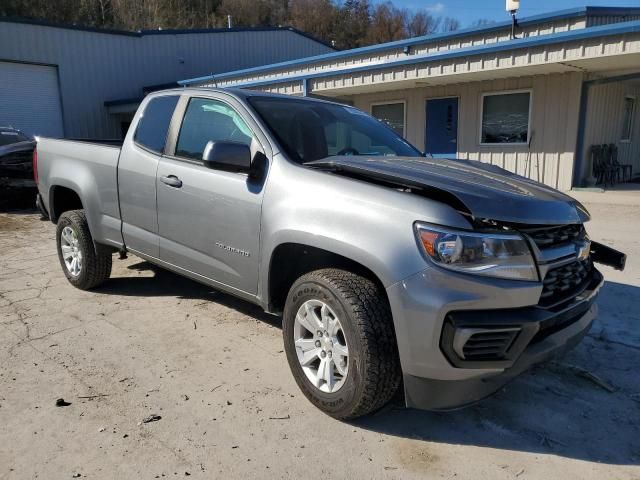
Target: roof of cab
{"x": 239, "y": 93}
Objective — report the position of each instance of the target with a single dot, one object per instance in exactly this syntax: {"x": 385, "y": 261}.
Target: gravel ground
{"x": 212, "y": 367}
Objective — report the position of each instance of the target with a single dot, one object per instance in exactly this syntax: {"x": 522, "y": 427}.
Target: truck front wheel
{"x": 84, "y": 267}
{"x": 340, "y": 342}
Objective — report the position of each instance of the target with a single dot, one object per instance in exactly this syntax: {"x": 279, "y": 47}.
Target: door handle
{"x": 172, "y": 181}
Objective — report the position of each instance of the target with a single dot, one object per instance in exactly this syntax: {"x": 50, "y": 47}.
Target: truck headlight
{"x": 489, "y": 254}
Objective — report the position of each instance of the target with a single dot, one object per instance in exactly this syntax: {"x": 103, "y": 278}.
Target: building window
{"x": 629, "y": 111}
{"x": 390, "y": 113}
{"x": 505, "y": 118}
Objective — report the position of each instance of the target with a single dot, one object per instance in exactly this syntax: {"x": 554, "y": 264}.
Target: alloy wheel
{"x": 321, "y": 346}
{"x": 71, "y": 253}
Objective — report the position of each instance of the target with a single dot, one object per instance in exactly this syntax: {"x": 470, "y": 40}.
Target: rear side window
{"x": 154, "y": 124}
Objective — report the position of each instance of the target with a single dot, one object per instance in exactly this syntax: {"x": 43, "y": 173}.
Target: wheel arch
{"x": 63, "y": 199}
{"x": 290, "y": 260}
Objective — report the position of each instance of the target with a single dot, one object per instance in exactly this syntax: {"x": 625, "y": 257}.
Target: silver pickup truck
{"x": 390, "y": 269}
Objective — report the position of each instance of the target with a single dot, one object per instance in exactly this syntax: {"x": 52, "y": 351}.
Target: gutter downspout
{"x": 590, "y": 181}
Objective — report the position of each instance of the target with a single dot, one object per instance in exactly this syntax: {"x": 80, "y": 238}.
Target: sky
{"x": 469, "y": 10}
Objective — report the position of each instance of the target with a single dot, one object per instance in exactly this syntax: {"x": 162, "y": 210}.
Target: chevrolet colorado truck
{"x": 445, "y": 278}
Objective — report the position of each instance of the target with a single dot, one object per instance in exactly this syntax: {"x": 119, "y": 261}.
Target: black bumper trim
{"x": 432, "y": 394}
{"x": 536, "y": 324}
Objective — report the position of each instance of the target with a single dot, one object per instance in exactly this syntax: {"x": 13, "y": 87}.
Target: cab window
{"x": 151, "y": 132}
{"x": 209, "y": 120}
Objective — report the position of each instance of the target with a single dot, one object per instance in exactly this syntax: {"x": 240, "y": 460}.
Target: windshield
{"x": 8, "y": 137}
{"x": 309, "y": 130}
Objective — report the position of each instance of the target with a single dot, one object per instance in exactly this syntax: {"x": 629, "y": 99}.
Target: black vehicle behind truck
{"x": 16, "y": 152}
{"x": 17, "y": 185}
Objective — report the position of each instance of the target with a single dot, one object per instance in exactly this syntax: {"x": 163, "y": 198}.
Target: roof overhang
{"x": 408, "y": 42}
{"x": 593, "y": 49}
{"x": 620, "y": 63}
{"x": 379, "y": 49}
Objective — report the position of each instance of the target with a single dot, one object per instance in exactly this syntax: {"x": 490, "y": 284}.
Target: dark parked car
{"x": 16, "y": 154}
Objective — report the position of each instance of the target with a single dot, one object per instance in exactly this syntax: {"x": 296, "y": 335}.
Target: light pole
{"x": 512, "y": 7}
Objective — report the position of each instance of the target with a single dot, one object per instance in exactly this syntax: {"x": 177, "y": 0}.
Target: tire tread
{"x": 98, "y": 265}
{"x": 374, "y": 325}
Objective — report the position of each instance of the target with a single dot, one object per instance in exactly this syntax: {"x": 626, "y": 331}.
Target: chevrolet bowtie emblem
{"x": 584, "y": 250}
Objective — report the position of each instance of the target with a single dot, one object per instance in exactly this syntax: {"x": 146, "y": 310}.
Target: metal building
{"x": 534, "y": 104}
{"x": 85, "y": 83}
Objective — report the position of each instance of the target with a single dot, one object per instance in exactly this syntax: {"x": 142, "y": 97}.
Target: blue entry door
{"x": 441, "y": 135}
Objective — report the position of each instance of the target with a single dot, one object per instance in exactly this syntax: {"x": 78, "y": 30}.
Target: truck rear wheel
{"x": 84, "y": 267}
{"x": 340, "y": 342}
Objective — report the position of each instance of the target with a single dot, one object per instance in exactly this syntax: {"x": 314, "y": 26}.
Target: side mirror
{"x": 232, "y": 156}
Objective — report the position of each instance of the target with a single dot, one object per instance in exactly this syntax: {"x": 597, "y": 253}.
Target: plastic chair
{"x": 594, "y": 153}
{"x": 615, "y": 171}
{"x": 603, "y": 172}
{"x": 622, "y": 167}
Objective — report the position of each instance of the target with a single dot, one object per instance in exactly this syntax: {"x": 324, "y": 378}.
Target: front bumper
{"x": 427, "y": 305}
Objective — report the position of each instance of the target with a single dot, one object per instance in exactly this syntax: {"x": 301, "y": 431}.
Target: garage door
{"x": 30, "y": 99}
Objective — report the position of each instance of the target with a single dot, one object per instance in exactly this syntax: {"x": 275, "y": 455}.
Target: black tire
{"x": 373, "y": 374}
{"x": 43, "y": 212}
{"x": 96, "y": 267}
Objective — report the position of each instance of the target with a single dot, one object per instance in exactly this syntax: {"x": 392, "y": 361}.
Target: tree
{"x": 316, "y": 17}
{"x": 353, "y": 23}
{"x": 422, "y": 23}
{"x": 387, "y": 24}
{"x": 254, "y": 12}
{"x": 344, "y": 23}
{"x": 482, "y": 22}
{"x": 450, "y": 24}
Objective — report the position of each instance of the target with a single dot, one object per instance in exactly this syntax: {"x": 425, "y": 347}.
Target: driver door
{"x": 208, "y": 219}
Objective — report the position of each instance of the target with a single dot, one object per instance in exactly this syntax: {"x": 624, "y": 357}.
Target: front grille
{"x": 489, "y": 345}
{"x": 560, "y": 284}
{"x": 563, "y": 283}
{"x": 546, "y": 237}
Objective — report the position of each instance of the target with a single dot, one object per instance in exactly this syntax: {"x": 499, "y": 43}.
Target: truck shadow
{"x": 168, "y": 284}
{"x": 553, "y": 409}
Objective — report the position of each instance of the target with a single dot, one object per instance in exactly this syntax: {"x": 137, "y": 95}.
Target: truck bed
{"x": 99, "y": 141}
{"x": 89, "y": 168}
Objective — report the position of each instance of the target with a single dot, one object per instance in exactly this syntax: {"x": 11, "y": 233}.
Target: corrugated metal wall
{"x": 595, "y": 20}
{"x": 554, "y": 123}
{"x": 542, "y": 59}
{"x": 605, "y": 116}
{"x": 95, "y": 67}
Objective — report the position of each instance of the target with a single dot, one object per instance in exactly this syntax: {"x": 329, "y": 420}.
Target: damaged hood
{"x": 487, "y": 191}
